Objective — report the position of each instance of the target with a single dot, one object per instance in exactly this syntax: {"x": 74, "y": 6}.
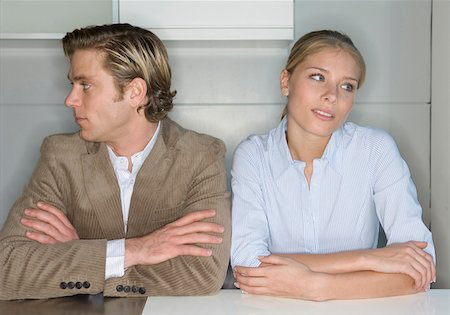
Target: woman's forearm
{"x": 340, "y": 262}
{"x": 364, "y": 284}
{"x": 281, "y": 276}
{"x": 406, "y": 258}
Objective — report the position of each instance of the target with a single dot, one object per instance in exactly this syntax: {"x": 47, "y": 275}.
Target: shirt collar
{"x": 283, "y": 158}
{"x": 137, "y": 158}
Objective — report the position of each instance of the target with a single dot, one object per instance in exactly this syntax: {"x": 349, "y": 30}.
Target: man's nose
{"x": 72, "y": 99}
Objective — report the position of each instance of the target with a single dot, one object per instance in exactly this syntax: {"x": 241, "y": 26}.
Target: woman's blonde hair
{"x": 314, "y": 42}
{"x": 129, "y": 52}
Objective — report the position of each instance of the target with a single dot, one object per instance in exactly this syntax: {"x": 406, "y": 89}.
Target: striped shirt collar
{"x": 332, "y": 154}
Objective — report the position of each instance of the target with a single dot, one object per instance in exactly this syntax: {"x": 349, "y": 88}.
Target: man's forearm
{"x": 183, "y": 275}
{"x": 33, "y": 270}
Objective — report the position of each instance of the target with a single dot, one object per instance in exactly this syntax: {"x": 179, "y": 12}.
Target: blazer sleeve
{"x": 189, "y": 275}
{"x": 32, "y": 270}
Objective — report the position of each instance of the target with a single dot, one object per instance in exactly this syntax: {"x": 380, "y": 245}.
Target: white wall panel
{"x": 211, "y": 19}
{"x": 393, "y": 36}
{"x": 22, "y": 129}
{"x": 50, "y": 18}
{"x": 32, "y": 72}
{"x": 227, "y": 72}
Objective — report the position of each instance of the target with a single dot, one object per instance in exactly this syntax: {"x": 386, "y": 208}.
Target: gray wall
{"x": 440, "y": 129}
{"x": 230, "y": 89}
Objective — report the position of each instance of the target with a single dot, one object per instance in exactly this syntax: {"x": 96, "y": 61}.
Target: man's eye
{"x": 85, "y": 86}
{"x": 317, "y": 77}
{"x": 348, "y": 87}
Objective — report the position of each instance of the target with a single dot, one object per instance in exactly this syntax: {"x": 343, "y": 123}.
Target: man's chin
{"x": 86, "y": 136}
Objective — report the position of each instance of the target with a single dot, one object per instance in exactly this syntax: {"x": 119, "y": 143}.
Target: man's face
{"x": 94, "y": 98}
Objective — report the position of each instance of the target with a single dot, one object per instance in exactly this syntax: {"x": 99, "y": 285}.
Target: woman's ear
{"x": 137, "y": 90}
{"x": 284, "y": 82}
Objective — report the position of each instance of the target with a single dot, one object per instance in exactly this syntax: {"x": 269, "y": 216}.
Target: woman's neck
{"x": 306, "y": 148}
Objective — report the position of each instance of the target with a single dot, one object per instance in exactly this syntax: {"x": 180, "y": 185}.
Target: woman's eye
{"x": 348, "y": 87}
{"x": 317, "y": 77}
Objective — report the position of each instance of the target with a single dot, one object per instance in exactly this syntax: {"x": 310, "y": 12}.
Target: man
{"x": 131, "y": 205}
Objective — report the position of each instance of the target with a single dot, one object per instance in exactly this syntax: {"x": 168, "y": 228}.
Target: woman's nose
{"x": 331, "y": 94}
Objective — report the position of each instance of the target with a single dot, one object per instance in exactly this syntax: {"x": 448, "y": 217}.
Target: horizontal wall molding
{"x": 211, "y": 19}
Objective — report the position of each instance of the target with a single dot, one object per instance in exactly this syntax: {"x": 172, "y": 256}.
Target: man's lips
{"x": 79, "y": 119}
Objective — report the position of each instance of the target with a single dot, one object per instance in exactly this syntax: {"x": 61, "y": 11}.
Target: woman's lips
{"x": 323, "y": 115}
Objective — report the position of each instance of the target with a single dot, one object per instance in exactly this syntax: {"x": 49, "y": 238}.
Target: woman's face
{"x": 321, "y": 91}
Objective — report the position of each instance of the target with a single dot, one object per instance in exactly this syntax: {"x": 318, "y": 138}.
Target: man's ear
{"x": 137, "y": 91}
{"x": 284, "y": 82}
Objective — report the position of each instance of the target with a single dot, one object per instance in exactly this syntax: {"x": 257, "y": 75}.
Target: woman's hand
{"x": 279, "y": 276}
{"x": 408, "y": 258}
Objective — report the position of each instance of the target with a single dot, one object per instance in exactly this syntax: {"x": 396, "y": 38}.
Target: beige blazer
{"x": 184, "y": 172}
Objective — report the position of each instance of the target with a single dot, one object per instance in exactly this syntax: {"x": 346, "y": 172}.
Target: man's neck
{"x": 135, "y": 139}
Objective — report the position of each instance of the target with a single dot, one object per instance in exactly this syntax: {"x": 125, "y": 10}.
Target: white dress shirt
{"x": 115, "y": 249}
{"x": 360, "y": 181}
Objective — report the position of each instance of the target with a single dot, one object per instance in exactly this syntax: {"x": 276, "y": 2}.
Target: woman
{"x": 309, "y": 196}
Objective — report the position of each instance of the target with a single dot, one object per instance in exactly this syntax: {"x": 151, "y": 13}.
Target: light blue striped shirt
{"x": 360, "y": 181}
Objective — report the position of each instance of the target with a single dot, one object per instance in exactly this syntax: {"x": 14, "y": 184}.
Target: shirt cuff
{"x": 115, "y": 259}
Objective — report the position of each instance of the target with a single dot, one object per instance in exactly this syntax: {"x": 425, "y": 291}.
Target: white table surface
{"x": 434, "y": 302}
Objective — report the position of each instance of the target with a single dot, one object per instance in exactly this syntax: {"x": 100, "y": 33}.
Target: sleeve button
{"x": 71, "y": 285}
{"x": 134, "y": 289}
{"x": 126, "y": 289}
{"x": 142, "y": 290}
{"x": 78, "y": 285}
{"x": 63, "y": 285}
{"x": 119, "y": 288}
{"x": 86, "y": 285}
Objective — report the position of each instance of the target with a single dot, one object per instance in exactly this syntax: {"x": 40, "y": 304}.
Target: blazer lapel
{"x": 103, "y": 191}
{"x": 149, "y": 179}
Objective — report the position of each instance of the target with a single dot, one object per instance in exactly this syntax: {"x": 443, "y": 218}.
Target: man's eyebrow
{"x": 77, "y": 78}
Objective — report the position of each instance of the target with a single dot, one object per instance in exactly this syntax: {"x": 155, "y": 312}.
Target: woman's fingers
{"x": 411, "y": 259}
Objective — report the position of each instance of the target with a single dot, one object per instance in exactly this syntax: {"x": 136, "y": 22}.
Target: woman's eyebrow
{"x": 325, "y": 70}
{"x": 318, "y": 68}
